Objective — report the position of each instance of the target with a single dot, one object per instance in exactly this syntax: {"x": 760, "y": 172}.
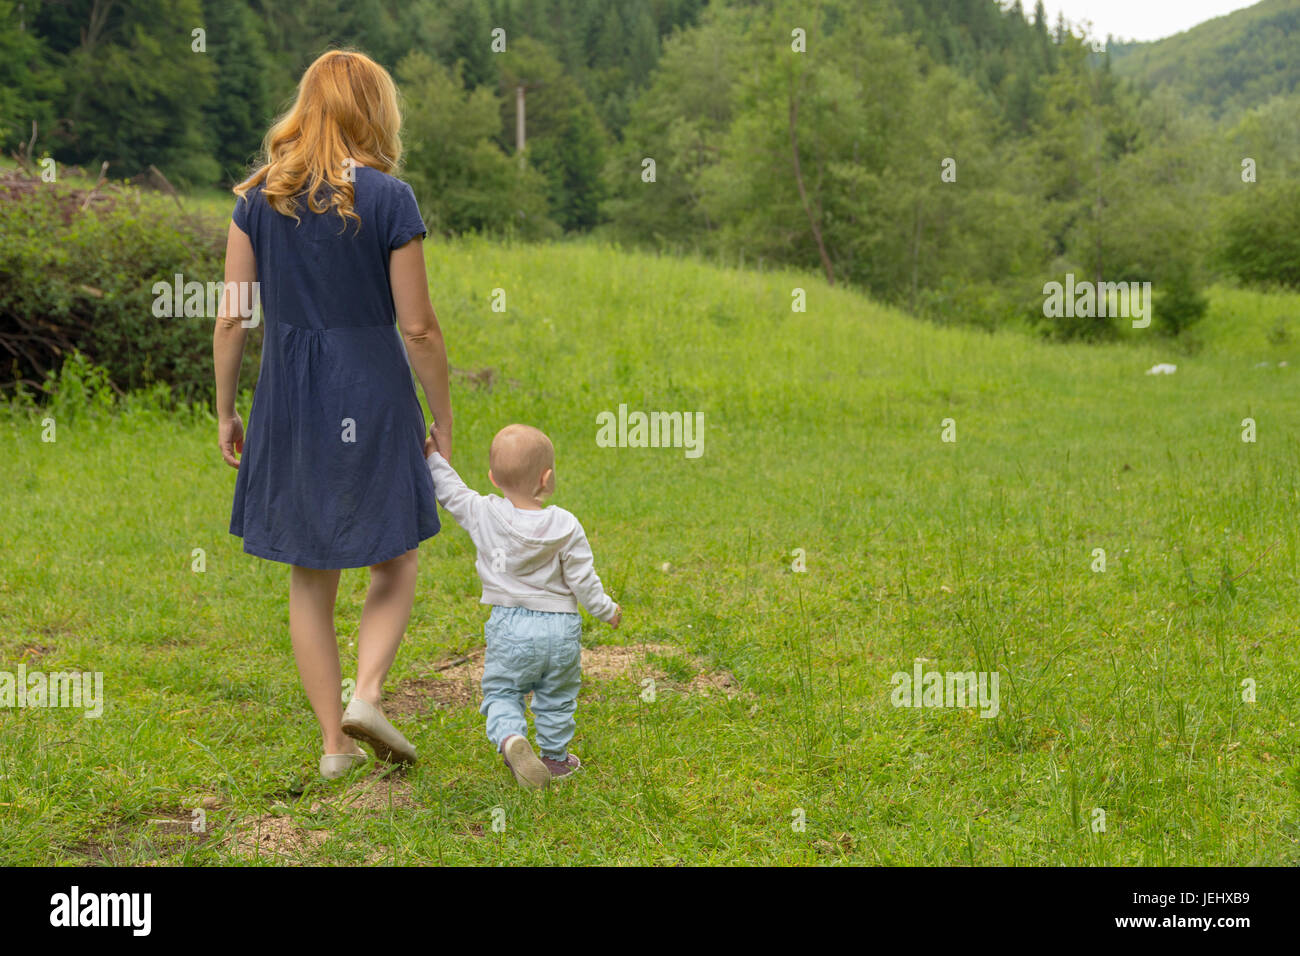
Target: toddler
{"x": 536, "y": 567}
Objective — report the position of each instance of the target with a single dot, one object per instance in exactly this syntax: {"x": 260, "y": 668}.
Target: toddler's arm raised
{"x": 462, "y": 502}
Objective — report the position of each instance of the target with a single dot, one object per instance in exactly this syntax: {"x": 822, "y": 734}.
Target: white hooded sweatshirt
{"x": 539, "y": 560}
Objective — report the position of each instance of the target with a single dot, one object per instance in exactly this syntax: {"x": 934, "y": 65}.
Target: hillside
{"x": 1229, "y": 64}
{"x": 826, "y": 540}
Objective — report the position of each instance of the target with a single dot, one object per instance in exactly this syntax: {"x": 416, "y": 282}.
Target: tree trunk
{"x": 803, "y": 193}
{"x": 916, "y": 249}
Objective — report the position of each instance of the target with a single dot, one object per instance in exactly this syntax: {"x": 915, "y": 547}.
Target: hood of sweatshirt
{"x": 544, "y": 535}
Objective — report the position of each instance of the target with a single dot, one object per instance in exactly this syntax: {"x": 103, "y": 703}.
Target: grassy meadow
{"x": 1120, "y": 690}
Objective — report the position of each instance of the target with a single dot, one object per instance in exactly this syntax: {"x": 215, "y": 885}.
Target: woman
{"x": 332, "y": 474}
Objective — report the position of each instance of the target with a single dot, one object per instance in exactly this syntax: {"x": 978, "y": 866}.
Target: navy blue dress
{"x": 332, "y": 473}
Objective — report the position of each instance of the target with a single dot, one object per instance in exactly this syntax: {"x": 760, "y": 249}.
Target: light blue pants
{"x": 537, "y": 651}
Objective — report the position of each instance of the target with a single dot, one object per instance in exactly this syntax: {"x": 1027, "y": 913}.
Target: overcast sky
{"x": 1138, "y": 19}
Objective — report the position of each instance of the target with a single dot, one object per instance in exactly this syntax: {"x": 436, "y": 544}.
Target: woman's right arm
{"x": 228, "y": 341}
{"x": 423, "y": 336}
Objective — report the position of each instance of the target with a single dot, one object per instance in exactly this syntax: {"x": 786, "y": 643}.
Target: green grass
{"x": 214, "y": 204}
{"x": 1120, "y": 690}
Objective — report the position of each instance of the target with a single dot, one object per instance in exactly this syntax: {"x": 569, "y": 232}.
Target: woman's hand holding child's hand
{"x": 439, "y": 440}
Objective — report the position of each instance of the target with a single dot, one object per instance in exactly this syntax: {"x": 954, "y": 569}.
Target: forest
{"x": 946, "y": 156}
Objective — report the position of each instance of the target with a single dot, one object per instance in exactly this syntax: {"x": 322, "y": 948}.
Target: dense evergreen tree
{"x": 29, "y": 86}
{"x": 133, "y": 85}
{"x": 240, "y": 112}
{"x": 565, "y": 140}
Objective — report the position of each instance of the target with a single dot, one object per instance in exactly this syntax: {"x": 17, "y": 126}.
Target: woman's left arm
{"x": 228, "y": 341}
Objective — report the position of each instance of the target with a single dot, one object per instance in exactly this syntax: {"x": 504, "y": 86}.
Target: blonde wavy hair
{"x": 346, "y": 114}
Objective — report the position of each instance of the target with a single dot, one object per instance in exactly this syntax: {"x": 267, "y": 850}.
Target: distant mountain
{"x": 1229, "y": 64}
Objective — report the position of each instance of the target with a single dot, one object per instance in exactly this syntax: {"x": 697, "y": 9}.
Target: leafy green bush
{"x": 1261, "y": 240}
{"x": 1069, "y": 325}
{"x": 463, "y": 180}
{"x": 81, "y": 389}
{"x": 77, "y": 274}
{"x": 1178, "y": 303}
{"x": 81, "y": 395}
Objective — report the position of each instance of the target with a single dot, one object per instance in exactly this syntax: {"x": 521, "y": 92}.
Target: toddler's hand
{"x": 430, "y": 446}
{"x": 617, "y": 619}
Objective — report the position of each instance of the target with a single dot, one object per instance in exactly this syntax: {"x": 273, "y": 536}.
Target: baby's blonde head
{"x": 522, "y": 462}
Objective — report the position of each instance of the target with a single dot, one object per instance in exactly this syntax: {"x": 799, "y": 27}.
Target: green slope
{"x": 1121, "y": 690}
{"x": 1229, "y": 64}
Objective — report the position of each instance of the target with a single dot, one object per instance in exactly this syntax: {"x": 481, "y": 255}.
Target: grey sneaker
{"x": 562, "y": 768}
{"x": 523, "y": 763}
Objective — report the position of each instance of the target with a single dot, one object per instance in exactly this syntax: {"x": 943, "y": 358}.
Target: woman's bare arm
{"x": 423, "y": 336}
{"x": 228, "y": 341}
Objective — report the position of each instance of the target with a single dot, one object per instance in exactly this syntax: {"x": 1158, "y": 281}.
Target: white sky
{"x": 1138, "y": 19}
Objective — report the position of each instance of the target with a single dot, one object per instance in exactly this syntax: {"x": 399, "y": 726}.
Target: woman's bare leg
{"x": 316, "y": 649}
{"x": 383, "y": 622}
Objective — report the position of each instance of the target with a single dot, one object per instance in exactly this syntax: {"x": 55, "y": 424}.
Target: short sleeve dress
{"x": 333, "y": 473}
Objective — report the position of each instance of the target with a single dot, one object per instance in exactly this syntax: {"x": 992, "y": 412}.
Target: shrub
{"x": 1068, "y": 327}
{"x": 1261, "y": 239}
{"x": 81, "y": 389}
{"x": 77, "y": 271}
{"x": 1178, "y": 303}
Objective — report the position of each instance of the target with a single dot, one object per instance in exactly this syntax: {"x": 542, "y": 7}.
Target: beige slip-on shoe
{"x": 367, "y": 723}
{"x": 333, "y": 766}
